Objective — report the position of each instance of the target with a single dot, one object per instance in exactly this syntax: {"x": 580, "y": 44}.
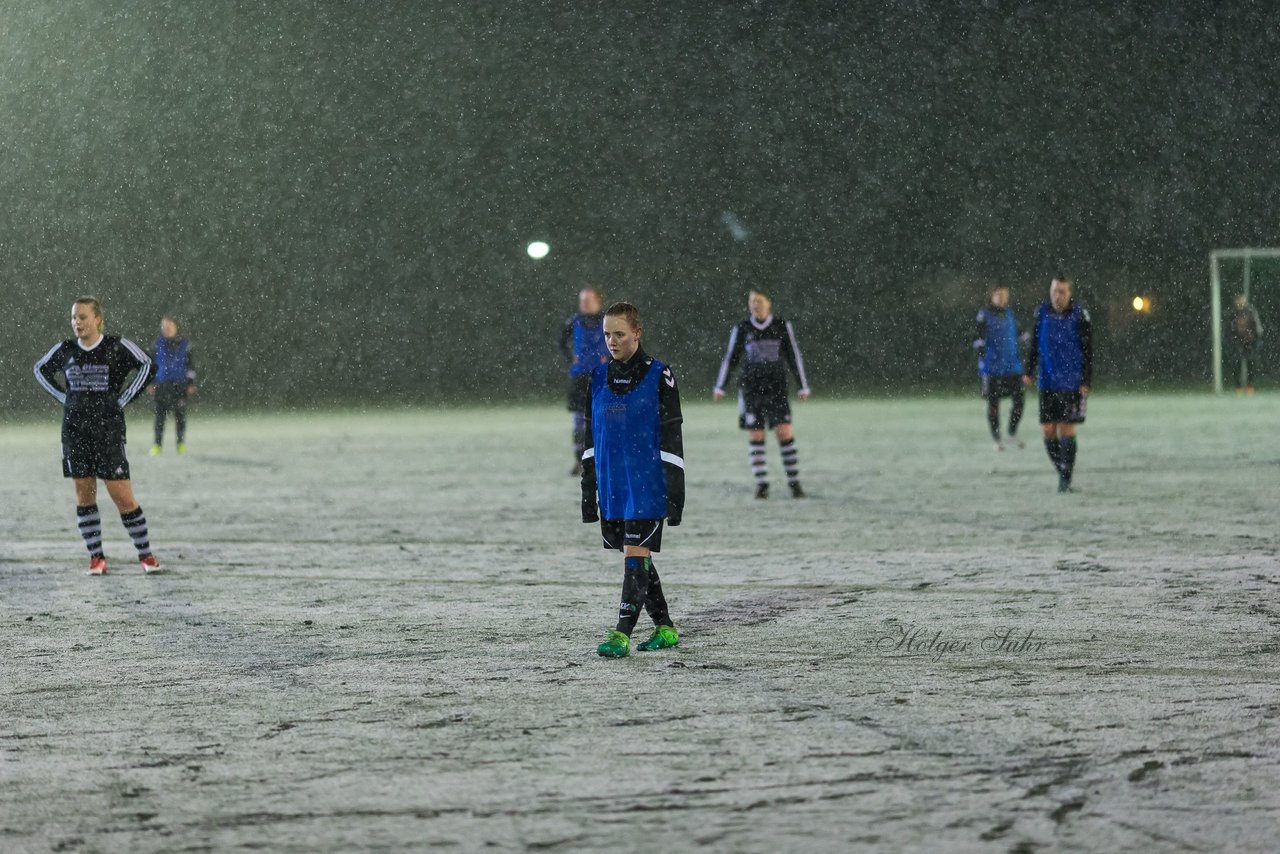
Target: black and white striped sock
{"x": 759, "y": 470}
{"x": 136, "y": 524}
{"x": 789, "y": 462}
{"x": 90, "y": 523}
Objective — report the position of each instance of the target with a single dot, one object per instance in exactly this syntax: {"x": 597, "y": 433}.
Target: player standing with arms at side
{"x": 768, "y": 342}
{"x": 95, "y": 368}
{"x": 1245, "y": 330}
{"x": 999, "y": 365}
{"x": 175, "y": 382}
{"x": 582, "y": 343}
{"x": 633, "y": 473}
{"x": 1062, "y": 350}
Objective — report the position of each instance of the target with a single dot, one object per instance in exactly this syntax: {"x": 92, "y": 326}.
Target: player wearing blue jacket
{"x": 633, "y": 473}
{"x": 1062, "y": 352}
{"x": 999, "y": 365}
{"x": 582, "y": 343}
{"x": 175, "y": 382}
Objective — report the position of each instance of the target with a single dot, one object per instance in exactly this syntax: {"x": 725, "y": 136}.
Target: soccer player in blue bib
{"x": 175, "y": 382}
{"x": 1062, "y": 351}
{"x": 582, "y": 343}
{"x": 999, "y": 366}
{"x": 633, "y": 473}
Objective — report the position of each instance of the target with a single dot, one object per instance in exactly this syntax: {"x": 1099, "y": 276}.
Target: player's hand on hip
{"x": 1084, "y": 389}
{"x": 717, "y": 394}
{"x": 191, "y": 389}
{"x": 151, "y": 389}
{"x": 804, "y": 394}
{"x": 1026, "y": 379}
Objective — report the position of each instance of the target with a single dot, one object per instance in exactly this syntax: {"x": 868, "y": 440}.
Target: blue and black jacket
{"x": 996, "y": 341}
{"x": 582, "y": 343}
{"x": 1062, "y": 347}
{"x": 173, "y": 360}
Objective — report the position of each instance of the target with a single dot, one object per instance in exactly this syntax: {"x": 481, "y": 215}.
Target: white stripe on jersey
{"x": 795, "y": 349}
{"x": 668, "y": 457}
{"x": 57, "y": 393}
{"x": 723, "y": 376}
{"x": 140, "y": 379}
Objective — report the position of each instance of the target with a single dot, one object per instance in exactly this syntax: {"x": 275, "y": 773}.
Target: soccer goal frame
{"x": 1247, "y": 256}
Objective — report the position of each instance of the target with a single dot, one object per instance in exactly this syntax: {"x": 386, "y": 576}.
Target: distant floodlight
{"x": 538, "y": 249}
{"x": 1138, "y": 302}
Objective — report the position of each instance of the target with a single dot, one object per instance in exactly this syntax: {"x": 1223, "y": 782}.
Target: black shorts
{"x": 632, "y": 532}
{"x": 580, "y": 393}
{"x": 171, "y": 396}
{"x": 1062, "y": 407}
{"x": 763, "y": 410}
{"x": 94, "y": 450}
{"x": 1006, "y": 385}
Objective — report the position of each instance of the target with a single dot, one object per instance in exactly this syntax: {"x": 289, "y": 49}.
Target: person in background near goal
{"x": 633, "y": 473}
{"x": 582, "y": 343}
{"x": 102, "y": 373}
{"x": 1062, "y": 351}
{"x": 999, "y": 366}
{"x": 175, "y": 382}
{"x": 769, "y": 344}
{"x": 1245, "y": 330}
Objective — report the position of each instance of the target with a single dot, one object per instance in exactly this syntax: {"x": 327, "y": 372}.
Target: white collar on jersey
{"x": 760, "y": 324}
{"x": 80, "y": 343}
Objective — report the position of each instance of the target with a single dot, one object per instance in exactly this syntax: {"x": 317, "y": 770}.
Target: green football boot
{"x": 663, "y": 637}
{"x": 616, "y": 645}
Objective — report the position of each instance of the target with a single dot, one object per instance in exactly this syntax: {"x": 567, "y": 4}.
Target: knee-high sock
{"x": 635, "y": 586}
{"x": 759, "y": 469}
{"x": 1055, "y": 452}
{"x": 90, "y": 524}
{"x": 789, "y": 463}
{"x": 654, "y": 601}
{"x": 1015, "y": 416}
{"x": 136, "y": 524}
{"x": 993, "y": 418}
{"x": 1067, "y": 450}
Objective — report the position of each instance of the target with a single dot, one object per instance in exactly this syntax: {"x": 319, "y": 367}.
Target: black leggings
{"x": 171, "y": 397}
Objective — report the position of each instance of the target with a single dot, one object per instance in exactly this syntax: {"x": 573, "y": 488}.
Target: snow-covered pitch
{"x": 378, "y": 632}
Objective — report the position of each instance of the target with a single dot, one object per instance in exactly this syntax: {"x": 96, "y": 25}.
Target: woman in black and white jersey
{"x": 101, "y": 374}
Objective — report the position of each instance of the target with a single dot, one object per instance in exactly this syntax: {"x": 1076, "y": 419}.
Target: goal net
{"x": 1238, "y": 262}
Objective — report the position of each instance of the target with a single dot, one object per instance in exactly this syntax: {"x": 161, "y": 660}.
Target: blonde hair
{"x": 93, "y": 303}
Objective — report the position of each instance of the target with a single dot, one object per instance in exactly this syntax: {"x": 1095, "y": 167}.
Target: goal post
{"x": 1247, "y": 257}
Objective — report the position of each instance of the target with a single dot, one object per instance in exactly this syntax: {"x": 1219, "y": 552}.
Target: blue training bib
{"x": 628, "y": 453}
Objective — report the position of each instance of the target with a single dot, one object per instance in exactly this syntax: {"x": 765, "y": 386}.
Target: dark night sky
{"x": 336, "y": 196}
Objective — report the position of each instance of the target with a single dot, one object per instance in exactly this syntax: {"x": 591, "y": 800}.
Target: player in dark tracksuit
{"x": 999, "y": 366}
{"x": 175, "y": 382}
{"x": 770, "y": 347}
{"x": 1244, "y": 328}
{"x": 101, "y": 375}
{"x": 633, "y": 473}
{"x": 1062, "y": 352}
{"x": 582, "y": 343}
